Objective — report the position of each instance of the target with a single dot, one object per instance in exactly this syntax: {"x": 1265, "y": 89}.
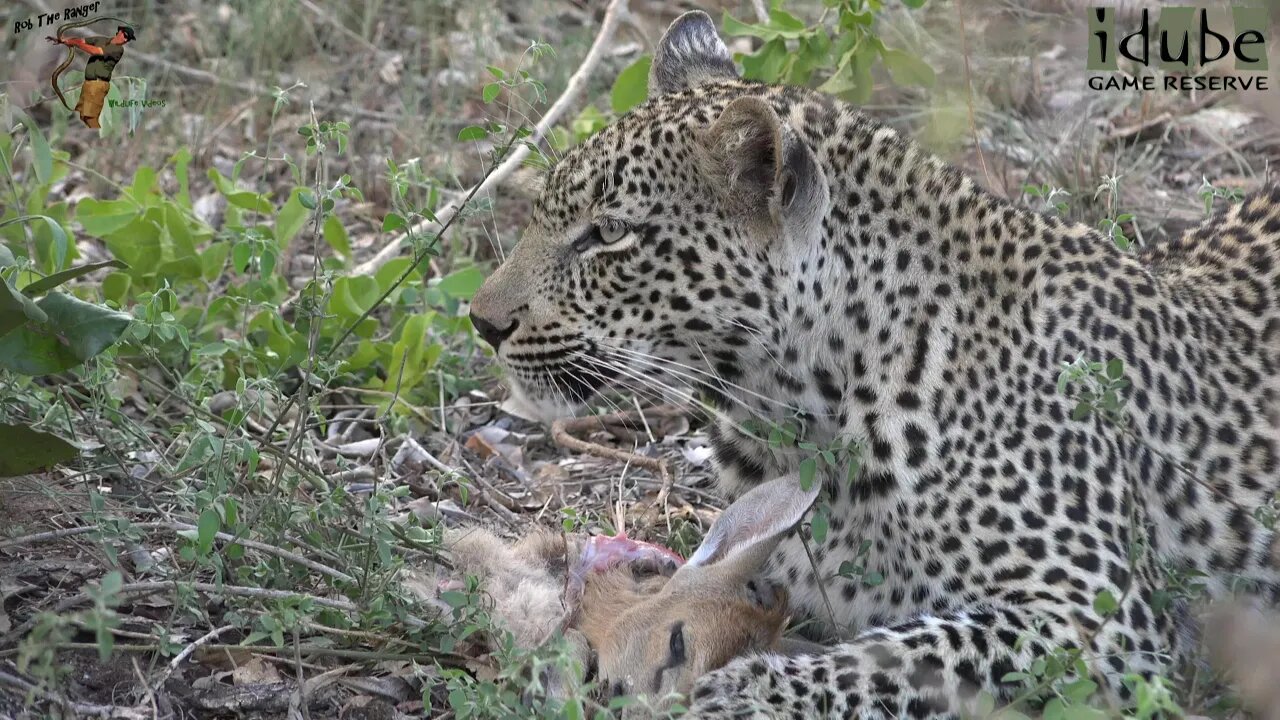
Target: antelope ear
{"x": 689, "y": 54}
{"x": 748, "y": 530}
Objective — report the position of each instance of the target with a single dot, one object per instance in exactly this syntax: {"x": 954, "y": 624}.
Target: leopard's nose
{"x": 491, "y": 333}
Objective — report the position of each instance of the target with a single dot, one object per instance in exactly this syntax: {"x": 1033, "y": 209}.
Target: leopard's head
{"x": 652, "y": 258}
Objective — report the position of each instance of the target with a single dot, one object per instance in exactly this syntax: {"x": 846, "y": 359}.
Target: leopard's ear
{"x": 761, "y": 166}
{"x": 689, "y": 54}
{"x": 529, "y": 180}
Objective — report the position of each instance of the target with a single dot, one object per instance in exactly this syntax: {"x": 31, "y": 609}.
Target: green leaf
{"x": 852, "y": 80}
{"x": 818, "y": 526}
{"x": 632, "y": 86}
{"x": 767, "y": 63}
{"x": 353, "y": 295}
{"x": 293, "y": 216}
{"x": 73, "y": 332}
{"x": 463, "y": 283}
{"x": 472, "y": 132}
{"x": 213, "y": 260}
{"x": 106, "y": 641}
{"x": 112, "y": 583}
{"x": 250, "y": 201}
{"x": 181, "y": 160}
{"x": 141, "y": 243}
{"x": 781, "y": 25}
{"x": 52, "y": 281}
{"x": 1081, "y": 411}
{"x": 43, "y": 164}
{"x": 6, "y": 257}
{"x": 1083, "y": 712}
{"x": 28, "y": 450}
{"x": 908, "y": 69}
{"x": 393, "y": 221}
{"x": 213, "y": 349}
{"x": 16, "y": 309}
{"x": 100, "y": 218}
{"x": 412, "y": 353}
{"x": 184, "y": 244}
{"x": 207, "y": 530}
{"x": 872, "y": 578}
{"x": 335, "y": 236}
{"x": 986, "y": 704}
{"x": 454, "y": 598}
{"x": 915, "y": 4}
{"x": 115, "y": 287}
{"x": 490, "y": 92}
{"x": 1105, "y": 604}
{"x": 784, "y": 20}
{"x": 852, "y": 474}
{"x": 1115, "y": 369}
{"x": 733, "y": 27}
{"x": 808, "y": 468}
{"x": 1080, "y": 690}
{"x": 307, "y": 198}
{"x": 60, "y": 243}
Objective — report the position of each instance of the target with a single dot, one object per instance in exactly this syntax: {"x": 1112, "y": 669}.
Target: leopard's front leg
{"x": 933, "y": 666}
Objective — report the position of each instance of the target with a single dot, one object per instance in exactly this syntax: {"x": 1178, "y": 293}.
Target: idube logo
{"x": 1181, "y": 41}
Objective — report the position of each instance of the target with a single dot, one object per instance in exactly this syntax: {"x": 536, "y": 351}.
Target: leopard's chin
{"x": 566, "y": 395}
{"x": 536, "y": 407}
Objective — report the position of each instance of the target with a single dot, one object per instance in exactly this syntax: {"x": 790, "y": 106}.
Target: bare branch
{"x": 180, "y": 527}
{"x": 577, "y": 83}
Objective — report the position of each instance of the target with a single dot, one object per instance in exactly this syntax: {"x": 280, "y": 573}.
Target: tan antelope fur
{"x": 652, "y": 631}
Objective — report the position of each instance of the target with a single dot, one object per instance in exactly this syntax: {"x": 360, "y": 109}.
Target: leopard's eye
{"x": 605, "y": 232}
{"x": 611, "y": 231}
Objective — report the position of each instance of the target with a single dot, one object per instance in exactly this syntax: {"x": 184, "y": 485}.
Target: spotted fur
{"x": 786, "y": 254}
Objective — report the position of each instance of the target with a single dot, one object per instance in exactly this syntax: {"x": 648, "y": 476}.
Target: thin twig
{"x": 562, "y": 433}
{"x": 342, "y": 28}
{"x": 186, "y": 653}
{"x": 183, "y": 527}
{"x": 146, "y": 688}
{"x": 516, "y": 155}
{"x": 351, "y": 328}
{"x": 968, "y": 83}
{"x": 107, "y": 711}
{"x": 142, "y": 588}
{"x": 1164, "y": 117}
{"x": 427, "y": 656}
{"x": 822, "y": 585}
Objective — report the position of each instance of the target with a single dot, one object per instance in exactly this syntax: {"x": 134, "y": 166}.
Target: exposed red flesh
{"x": 603, "y": 552}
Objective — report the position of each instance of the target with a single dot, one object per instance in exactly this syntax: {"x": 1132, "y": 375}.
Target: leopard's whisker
{"x": 715, "y": 381}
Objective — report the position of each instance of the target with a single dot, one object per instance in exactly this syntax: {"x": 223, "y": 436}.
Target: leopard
{"x": 772, "y": 251}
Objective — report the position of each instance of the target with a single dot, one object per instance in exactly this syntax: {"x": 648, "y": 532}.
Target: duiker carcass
{"x": 652, "y": 624}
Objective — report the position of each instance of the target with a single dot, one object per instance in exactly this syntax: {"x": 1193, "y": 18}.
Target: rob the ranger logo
{"x": 1183, "y": 41}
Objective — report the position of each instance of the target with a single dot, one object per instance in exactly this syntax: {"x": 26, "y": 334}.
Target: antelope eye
{"x": 611, "y": 231}
{"x": 677, "y": 644}
{"x": 653, "y": 567}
